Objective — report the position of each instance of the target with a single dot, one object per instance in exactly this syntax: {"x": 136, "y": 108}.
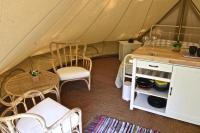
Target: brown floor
{"x": 104, "y": 98}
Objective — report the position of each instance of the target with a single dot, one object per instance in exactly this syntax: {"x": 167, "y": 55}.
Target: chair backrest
{"x": 8, "y": 124}
{"x": 23, "y": 103}
{"x": 67, "y": 54}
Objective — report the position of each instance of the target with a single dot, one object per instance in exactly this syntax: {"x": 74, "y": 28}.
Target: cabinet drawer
{"x": 154, "y": 66}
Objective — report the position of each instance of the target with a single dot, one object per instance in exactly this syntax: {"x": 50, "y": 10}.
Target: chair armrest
{"x": 53, "y": 65}
{"x": 2, "y": 101}
{"x": 11, "y": 108}
{"x": 71, "y": 112}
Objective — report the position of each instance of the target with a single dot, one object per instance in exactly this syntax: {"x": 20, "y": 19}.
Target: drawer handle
{"x": 153, "y": 66}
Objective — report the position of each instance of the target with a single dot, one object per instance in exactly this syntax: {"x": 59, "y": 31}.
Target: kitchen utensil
{"x": 157, "y": 102}
{"x": 192, "y": 50}
{"x": 144, "y": 83}
{"x": 198, "y": 52}
{"x": 161, "y": 85}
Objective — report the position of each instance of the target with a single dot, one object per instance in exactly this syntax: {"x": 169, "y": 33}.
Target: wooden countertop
{"x": 165, "y": 55}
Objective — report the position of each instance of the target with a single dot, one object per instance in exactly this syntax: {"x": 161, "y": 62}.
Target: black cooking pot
{"x": 144, "y": 83}
{"x": 157, "y": 102}
{"x": 198, "y": 52}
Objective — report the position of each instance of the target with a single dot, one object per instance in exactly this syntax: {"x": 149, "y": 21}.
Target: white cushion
{"x": 68, "y": 73}
{"x": 51, "y": 111}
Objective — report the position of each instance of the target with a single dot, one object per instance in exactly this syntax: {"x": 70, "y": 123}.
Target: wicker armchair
{"x": 5, "y": 99}
{"x": 70, "y": 63}
{"x": 46, "y": 116}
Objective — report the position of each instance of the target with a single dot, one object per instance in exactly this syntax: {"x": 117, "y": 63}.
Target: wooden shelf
{"x": 141, "y": 102}
{"x": 152, "y": 77}
{"x": 152, "y": 92}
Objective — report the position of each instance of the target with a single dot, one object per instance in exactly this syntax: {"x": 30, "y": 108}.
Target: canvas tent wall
{"x": 28, "y": 26}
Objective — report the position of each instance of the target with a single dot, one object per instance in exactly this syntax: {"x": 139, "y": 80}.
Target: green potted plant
{"x": 35, "y": 75}
{"x": 177, "y": 46}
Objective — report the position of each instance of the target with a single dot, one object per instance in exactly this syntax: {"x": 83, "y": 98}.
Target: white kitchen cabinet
{"x": 154, "y": 71}
{"x": 184, "y": 96}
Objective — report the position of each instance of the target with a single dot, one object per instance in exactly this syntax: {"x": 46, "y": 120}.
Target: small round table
{"x": 46, "y": 82}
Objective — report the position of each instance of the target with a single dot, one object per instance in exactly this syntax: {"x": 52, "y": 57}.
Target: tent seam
{"x": 115, "y": 27}
{"x": 87, "y": 29}
{"x": 30, "y": 32}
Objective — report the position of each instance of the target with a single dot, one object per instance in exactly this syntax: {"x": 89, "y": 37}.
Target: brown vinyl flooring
{"x": 105, "y": 99}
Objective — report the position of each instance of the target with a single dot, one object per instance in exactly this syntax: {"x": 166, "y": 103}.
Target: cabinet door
{"x": 184, "y": 97}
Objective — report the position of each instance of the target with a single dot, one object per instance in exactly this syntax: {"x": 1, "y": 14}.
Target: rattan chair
{"x": 45, "y": 116}
{"x": 70, "y": 63}
{"x": 5, "y": 99}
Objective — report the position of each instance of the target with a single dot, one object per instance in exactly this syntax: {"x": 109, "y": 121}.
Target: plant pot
{"x": 35, "y": 78}
{"x": 176, "y": 49}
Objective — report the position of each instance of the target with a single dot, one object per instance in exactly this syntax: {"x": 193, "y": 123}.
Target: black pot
{"x": 157, "y": 102}
{"x": 144, "y": 83}
{"x": 198, "y": 52}
{"x": 192, "y": 50}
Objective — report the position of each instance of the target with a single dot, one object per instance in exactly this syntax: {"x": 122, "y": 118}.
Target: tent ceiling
{"x": 26, "y": 26}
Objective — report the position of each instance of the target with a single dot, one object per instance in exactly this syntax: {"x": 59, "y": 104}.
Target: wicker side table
{"x": 46, "y": 82}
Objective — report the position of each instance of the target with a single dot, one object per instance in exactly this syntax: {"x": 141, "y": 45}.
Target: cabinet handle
{"x": 170, "y": 93}
{"x": 153, "y": 66}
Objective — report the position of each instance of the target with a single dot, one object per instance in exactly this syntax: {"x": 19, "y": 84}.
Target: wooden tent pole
{"x": 182, "y": 12}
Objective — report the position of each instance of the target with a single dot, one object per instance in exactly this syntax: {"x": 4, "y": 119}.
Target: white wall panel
{"x": 132, "y": 20}
{"x": 197, "y": 3}
{"x": 83, "y": 20}
{"x": 158, "y": 9}
{"x": 72, "y": 11}
{"x": 26, "y": 31}
{"x": 171, "y": 17}
{"x": 106, "y": 22}
{"x": 16, "y": 22}
{"x": 192, "y": 19}
{"x": 141, "y": 15}
{"x": 26, "y": 26}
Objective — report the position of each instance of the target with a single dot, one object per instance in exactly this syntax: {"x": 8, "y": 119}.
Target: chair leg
{"x": 89, "y": 83}
{"x": 80, "y": 121}
{"x": 80, "y": 127}
{"x": 57, "y": 93}
{"x": 63, "y": 82}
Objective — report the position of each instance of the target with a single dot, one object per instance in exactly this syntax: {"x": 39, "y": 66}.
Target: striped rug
{"x": 105, "y": 124}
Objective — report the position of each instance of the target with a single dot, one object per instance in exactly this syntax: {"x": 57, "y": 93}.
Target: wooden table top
{"x": 166, "y": 55}
{"x": 21, "y": 83}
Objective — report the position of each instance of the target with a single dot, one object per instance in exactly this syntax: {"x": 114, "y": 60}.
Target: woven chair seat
{"x": 68, "y": 73}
